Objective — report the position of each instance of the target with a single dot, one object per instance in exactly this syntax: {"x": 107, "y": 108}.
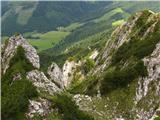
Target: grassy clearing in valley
{"x": 46, "y": 40}
{"x": 73, "y": 26}
{"x": 118, "y": 22}
{"x": 110, "y": 14}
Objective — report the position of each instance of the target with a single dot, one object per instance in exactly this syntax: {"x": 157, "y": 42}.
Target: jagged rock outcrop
{"x": 38, "y": 78}
{"x": 153, "y": 66}
{"x": 55, "y": 74}
{"x": 9, "y": 50}
{"x": 143, "y": 96}
{"x": 41, "y": 107}
{"x": 144, "y": 101}
{"x": 65, "y": 75}
{"x": 150, "y": 85}
{"x": 42, "y": 82}
{"x": 68, "y": 70}
{"x": 118, "y": 37}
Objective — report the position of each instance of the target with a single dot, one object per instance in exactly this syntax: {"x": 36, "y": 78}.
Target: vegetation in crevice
{"x": 88, "y": 65}
{"x": 121, "y": 78}
{"x": 134, "y": 50}
{"x": 87, "y": 86}
{"x": 117, "y": 83}
{"x": 143, "y": 103}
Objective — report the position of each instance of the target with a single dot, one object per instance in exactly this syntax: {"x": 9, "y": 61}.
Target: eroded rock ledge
{"x": 37, "y": 77}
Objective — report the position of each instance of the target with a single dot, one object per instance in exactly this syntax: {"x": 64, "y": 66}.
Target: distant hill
{"x": 114, "y": 15}
{"x": 45, "y": 16}
{"x": 84, "y": 24}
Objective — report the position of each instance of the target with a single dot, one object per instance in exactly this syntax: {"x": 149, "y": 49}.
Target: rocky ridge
{"x": 37, "y": 77}
{"x": 118, "y": 37}
{"x": 55, "y": 82}
{"x": 147, "y": 91}
{"x": 9, "y": 50}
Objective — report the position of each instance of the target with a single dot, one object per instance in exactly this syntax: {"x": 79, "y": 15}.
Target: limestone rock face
{"x": 42, "y": 82}
{"x": 118, "y": 37}
{"x": 10, "y": 49}
{"x": 153, "y": 66}
{"x": 94, "y": 54}
{"x": 68, "y": 70}
{"x": 146, "y": 93}
{"x": 40, "y": 106}
{"x": 55, "y": 74}
{"x": 150, "y": 84}
{"x": 38, "y": 78}
{"x": 65, "y": 75}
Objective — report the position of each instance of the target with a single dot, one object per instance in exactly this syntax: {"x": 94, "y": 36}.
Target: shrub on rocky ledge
{"x": 69, "y": 109}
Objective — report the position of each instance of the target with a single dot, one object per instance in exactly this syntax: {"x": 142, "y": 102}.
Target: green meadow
{"x": 43, "y": 41}
{"x": 118, "y": 22}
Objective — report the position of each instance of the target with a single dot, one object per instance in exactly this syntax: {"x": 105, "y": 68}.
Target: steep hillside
{"x": 27, "y": 93}
{"x": 126, "y": 71}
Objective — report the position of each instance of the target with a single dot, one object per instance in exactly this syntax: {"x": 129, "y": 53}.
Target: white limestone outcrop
{"x": 55, "y": 74}
{"x": 118, "y": 37}
{"x": 39, "y": 80}
{"x": 94, "y": 54}
{"x": 41, "y": 107}
{"x": 65, "y": 75}
{"x": 10, "y": 48}
{"x": 153, "y": 67}
{"x": 68, "y": 70}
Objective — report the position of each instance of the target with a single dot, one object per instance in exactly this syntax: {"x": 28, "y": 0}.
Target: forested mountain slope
{"x": 43, "y": 16}
{"x": 114, "y": 14}
{"x": 90, "y": 33}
